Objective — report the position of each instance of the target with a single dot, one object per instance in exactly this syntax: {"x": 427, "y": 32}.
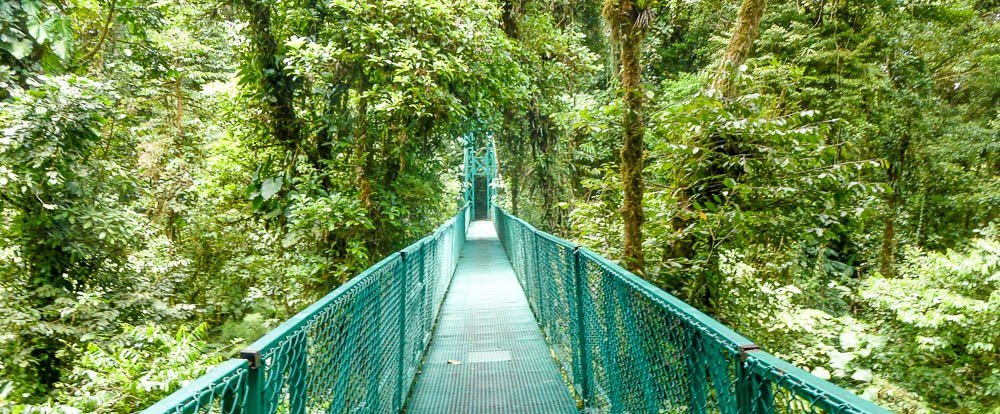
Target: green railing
{"x": 629, "y": 347}
{"x": 223, "y": 390}
{"x": 357, "y": 349}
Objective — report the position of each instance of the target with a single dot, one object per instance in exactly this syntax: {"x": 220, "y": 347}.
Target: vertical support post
{"x": 744, "y": 386}
{"x": 579, "y": 276}
{"x": 401, "y": 352}
{"x": 424, "y": 301}
{"x": 472, "y": 189}
{"x": 528, "y": 251}
{"x": 540, "y": 303}
{"x": 255, "y": 382}
{"x": 753, "y": 393}
{"x": 697, "y": 376}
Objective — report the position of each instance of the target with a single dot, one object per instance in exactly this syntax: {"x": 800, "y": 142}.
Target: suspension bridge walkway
{"x": 495, "y": 316}
{"x": 487, "y": 354}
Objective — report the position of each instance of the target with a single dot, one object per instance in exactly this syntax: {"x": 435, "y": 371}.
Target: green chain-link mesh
{"x": 629, "y": 347}
{"x": 223, "y": 390}
{"x": 356, "y": 350}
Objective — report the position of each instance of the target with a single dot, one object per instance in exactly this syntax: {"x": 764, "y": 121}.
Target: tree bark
{"x": 887, "y": 257}
{"x": 703, "y": 287}
{"x": 104, "y": 35}
{"x": 511, "y": 13}
{"x": 887, "y": 254}
{"x": 744, "y": 34}
{"x": 628, "y": 25}
{"x": 275, "y": 83}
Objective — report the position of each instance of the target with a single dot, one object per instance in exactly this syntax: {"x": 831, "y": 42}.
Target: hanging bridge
{"x": 488, "y": 314}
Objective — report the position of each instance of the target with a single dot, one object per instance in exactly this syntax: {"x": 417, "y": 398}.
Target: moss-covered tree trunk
{"x": 887, "y": 256}
{"x": 628, "y": 22}
{"x": 702, "y": 288}
{"x": 275, "y": 85}
{"x": 511, "y": 10}
{"x": 744, "y": 34}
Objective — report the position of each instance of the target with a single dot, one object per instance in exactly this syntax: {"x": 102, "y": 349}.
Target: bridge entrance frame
{"x": 480, "y": 172}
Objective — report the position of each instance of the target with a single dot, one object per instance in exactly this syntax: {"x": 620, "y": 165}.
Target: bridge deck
{"x": 488, "y": 355}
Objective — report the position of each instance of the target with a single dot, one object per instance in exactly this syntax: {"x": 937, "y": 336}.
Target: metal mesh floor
{"x": 488, "y": 354}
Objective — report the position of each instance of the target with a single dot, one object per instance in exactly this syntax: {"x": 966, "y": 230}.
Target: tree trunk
{"x": 47, "y": 264}
{"x": 275, "y": 83}
{"x": 888, "y": 243}
{"x": 628, "y": 23}
{"x": 703, "y": 288}
{"x": 895, "y": 199}
{"x": 744, "y": 34}
{"x": 631, "y": 154}
{"x": 509, "y": 17}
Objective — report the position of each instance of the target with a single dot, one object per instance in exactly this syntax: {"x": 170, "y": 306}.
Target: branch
{"x": 104, "y": 34}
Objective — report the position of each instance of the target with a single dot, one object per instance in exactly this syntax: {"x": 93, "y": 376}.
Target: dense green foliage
{"x": 839, "y": 209}
{"x": 178, "y": 177}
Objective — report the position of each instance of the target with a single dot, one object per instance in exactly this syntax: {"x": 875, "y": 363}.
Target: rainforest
{"x": 178, "y": 177}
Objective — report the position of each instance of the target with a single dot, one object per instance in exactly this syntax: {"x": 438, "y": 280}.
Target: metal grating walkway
{"x": 487, "y": 354}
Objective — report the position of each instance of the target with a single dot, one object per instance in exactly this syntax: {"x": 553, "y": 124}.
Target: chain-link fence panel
{"x": 627, "y": 346}
{"x": 357, "y": 349}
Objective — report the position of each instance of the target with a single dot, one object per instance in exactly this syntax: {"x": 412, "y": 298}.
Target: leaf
{"x": 270, "y": 187}
{"x": 839, "y": 360}
{"x": 20, "y": 49}
{"x": 62, "y": 45}
{"x": 290, "y": 239}
{"x": 62, "y": 26}
{"x": 273, "y": 213}
{"x": 849, "y": 340}
{"x": 36, "y": 28}
{"x": 61, "y": 48}
{"x": 864, "y": 375}
{"x": 729, "y": 182}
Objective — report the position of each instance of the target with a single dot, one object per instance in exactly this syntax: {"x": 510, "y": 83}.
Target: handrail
{"x": 628, "y": 346}
{"x": 356, "y": 349}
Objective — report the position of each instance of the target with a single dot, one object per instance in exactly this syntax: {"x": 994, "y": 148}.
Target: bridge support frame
{"x": 400, "y": 362}
{"x": 255, "y": 383}
{"x": 579, "y": 277}
{"x": 480, "y": 161}
{"x": 753, "y": 393}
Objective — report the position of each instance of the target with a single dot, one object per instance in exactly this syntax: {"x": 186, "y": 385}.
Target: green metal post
{"x": 538, "y": 282}
{"x": 425, "y": 303}
{"x": 255, "y": 382}
{"x": 581, "y": 328}
{"x": 696, "y": 374}
{"x": 402, "y": 333}
{"x": 753, "y": 391}
{"x": 744, "y": 385}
